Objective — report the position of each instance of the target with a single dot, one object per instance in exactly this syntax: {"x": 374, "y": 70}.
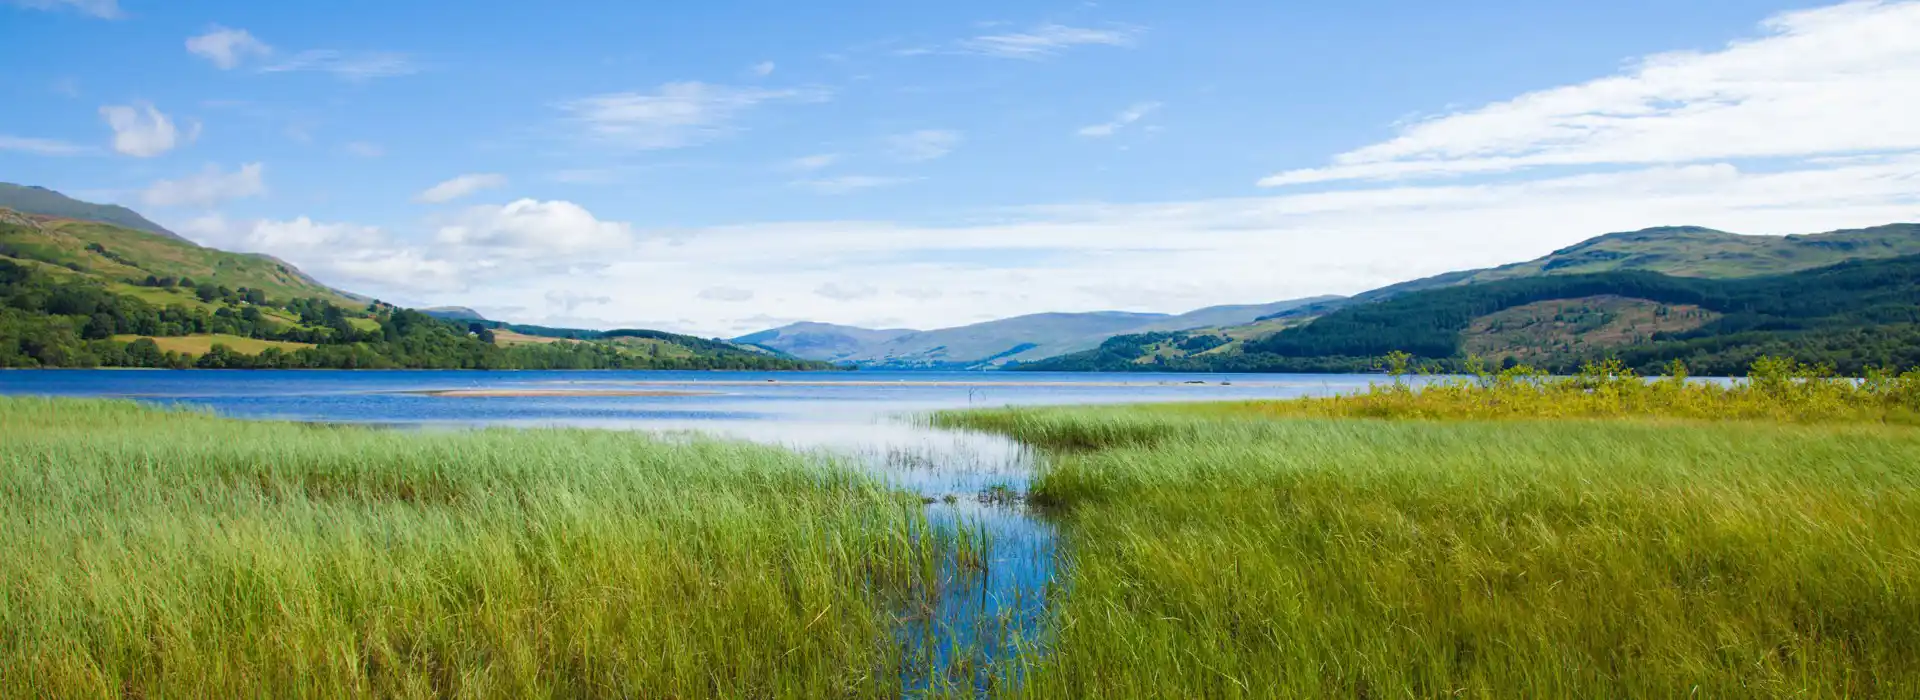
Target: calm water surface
{"x": 984, "y": 615}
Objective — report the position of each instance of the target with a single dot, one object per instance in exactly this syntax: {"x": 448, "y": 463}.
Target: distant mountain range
{"x": 993, "y": 344}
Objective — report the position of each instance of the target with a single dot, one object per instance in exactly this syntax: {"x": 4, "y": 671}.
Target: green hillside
{"x": 82, "y": 294}
{"x": 1689, "y": 251}
{"x": 40, "y": 201}
{"x": 1854, "y": 316}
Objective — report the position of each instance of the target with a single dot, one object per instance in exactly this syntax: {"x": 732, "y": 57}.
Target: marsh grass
{"x": 1287, "y": 549}
{"x": 153, "y": 553}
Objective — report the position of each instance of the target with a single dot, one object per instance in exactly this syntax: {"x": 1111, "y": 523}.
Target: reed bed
{"x": 154, "y": 553}
{"x": 1457, "y": 544}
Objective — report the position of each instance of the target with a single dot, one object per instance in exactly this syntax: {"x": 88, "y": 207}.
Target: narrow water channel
{"x": 984, "y": 611}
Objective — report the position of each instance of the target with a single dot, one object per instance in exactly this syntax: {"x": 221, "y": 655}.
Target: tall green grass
{"x": 151, "y": 553}
{"x": 1228, "y": 552}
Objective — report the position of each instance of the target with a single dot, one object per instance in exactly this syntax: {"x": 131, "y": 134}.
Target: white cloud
{"x": 1047, "y": 40}
{"x": 141, "y": 131}
{"x": 813, "y": 162}
{"x": 1125, "y": 118}
{"x": 763, "y": 68}
{"x": 45, "y": 147}
{"x": 209, "y": 188}
{"x": 845, "y": 184}
{"x": 227, "y": 48}
{"x": 104, "y": 9}
{"x": 727, "y": 294}
{"x": 354, "y": 257}
{"x": 845, "y": 292}
{"x": 534, "y": 226}
{"x": 459, "y": 187}
{"x": 676, "y": 115}
{"x": 1835, "y": 80}
{"x": 347, "y": 65}
{"x": 364, "y": 149}
{"x": 927, "y": 144}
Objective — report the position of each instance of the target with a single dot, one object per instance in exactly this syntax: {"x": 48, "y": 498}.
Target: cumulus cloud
{"x": 459, "y": 187}
{"x": 1047, "y": 40}
{"x": 763, "y": 68}
{"x": 227, "y": 48}
{"x": 141, "y": 130}
{"x": 926, "y": 144}
{"x": 1835, "y": 80}
{"x": 209, "y": 188}
{"x": 104, "y": 9}
{"x": 350, "y": 256}
{"x": 675, "y": 115}
{"x": 1125, "y": 118}
{"x": 535, "y": 226}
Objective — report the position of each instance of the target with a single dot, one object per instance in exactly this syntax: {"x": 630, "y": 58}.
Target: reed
{"x": 1493, "y": 537}
{"x": 154, "y": 553}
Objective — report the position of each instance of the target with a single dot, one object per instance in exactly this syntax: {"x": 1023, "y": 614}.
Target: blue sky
{"x": 726, "y": 166}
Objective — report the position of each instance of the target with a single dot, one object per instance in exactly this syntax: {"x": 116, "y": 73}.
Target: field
{"x": 200, "y": 344}
{"x": 1439, "y": 543}
{"x": 151, "y": 553}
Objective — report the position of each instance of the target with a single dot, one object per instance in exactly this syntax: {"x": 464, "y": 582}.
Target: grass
{"x": 1451, "y": 542}
{"x": 153, "y": 553}
{"x": 200, "y": 344}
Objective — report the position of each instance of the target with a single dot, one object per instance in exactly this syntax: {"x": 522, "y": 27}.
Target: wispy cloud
{"x": 104, "y": 9}
{"x": 762, "y": 69}
{"x": 208, "y": 188}
{"x": 923, "y": 145}
{"x": 364, "y": 149}
{"x": 347, "y": 65}
{"x": 44, "y": 147}
{"x": 846, "y": 184}
{"x": 676, "y": 115}
{"x": 1120, "y": 121}
{"x": 460, "y": 187}
{"x": 816, "y": 161}
{"x": 1047, "y": 40}
{"x": 227, "y": 48}
{"x": 1819, "y": 82}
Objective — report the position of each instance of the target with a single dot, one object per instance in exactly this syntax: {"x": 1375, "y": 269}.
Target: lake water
{"x": 987, "y": 614}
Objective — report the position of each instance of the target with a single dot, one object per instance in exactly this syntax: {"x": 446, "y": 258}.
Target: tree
{"x": 100, "y": 327}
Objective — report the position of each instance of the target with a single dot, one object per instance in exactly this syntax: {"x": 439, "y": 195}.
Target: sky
{"x": 728, "y": 166}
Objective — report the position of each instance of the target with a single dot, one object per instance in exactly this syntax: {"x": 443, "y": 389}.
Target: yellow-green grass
{"x": 151, "y": 553}
{"x": 201, "y": 343}
{"x": 507, "y": 338}
{"x": 1229, "y": 552}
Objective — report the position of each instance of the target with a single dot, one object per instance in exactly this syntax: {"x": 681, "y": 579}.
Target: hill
{"x": 84, "y": 293}
{"x": 41, "y": 201}
{"x": 1854, "y": 315}
{"x": 993, "y": 343}
{"x": 1676, "y": 251}
{"x": 1688, "y": 251}
{"x": 453, "y": 313}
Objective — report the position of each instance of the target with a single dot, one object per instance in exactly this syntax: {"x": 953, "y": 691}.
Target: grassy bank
{"x": 165, "y": 554}
{"x": 1290, "y": 549}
